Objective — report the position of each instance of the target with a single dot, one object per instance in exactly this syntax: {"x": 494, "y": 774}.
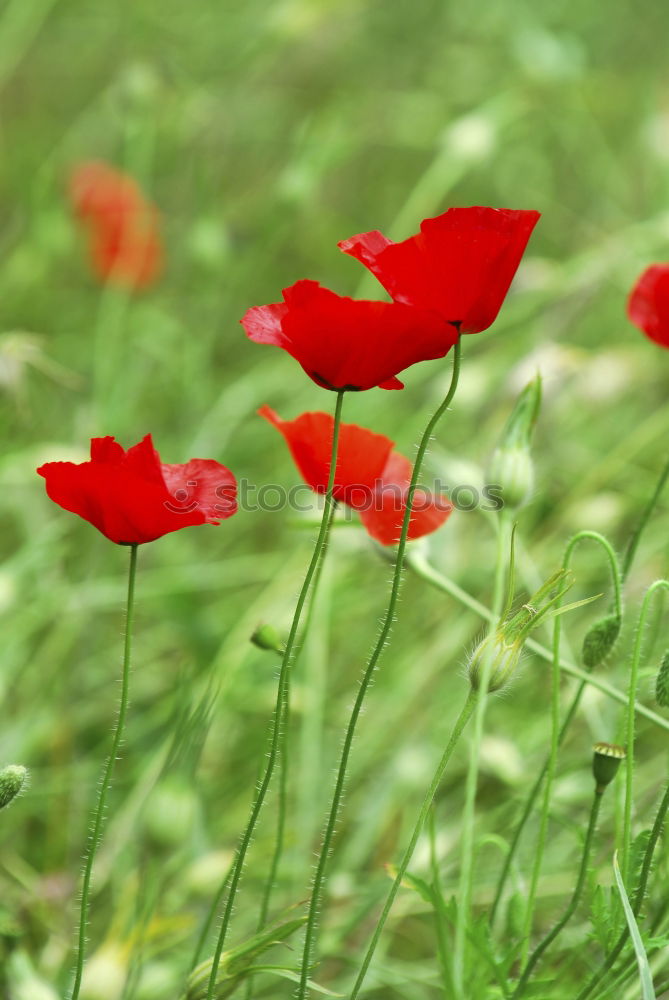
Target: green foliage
{"x": 265, "y": 133}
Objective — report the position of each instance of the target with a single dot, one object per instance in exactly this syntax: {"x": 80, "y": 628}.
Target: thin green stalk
{"x": 461, "y": 722}
{"x": 557, "y": 734}
{"x": 284, "y": 674}
{"x": 283, "y": 754}
{"x": 439, "y": 906}
{"x": 529, "y": 806}
{"x": 637, "y": 902}
{"x": 469, "y": 812}
{"x": 105, "y": 783}
{"x": 633, "y": 543}
{"x": 571, "y": 909}
{"x": 447, "y": 586}
{"x": 319, "y": 877}
{"x": 629, "y": 725}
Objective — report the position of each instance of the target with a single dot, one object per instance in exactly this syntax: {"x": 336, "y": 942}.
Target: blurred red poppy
{"x": 460, "y": 264}
{"x": 343, "y": 343}
{"x": 370, "y": 477}
{"x": 648, "y": 304}
{"x": 122, "y": 226}
{"x": 132, "y": 497}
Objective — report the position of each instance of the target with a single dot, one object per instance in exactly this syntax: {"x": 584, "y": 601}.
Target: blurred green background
{"x": 265, "y": 133}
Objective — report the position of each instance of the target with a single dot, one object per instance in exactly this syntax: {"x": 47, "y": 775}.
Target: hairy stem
{"x": 105, "y": 782}
{"x": 321, "y": 865}
{"x": 284, "y": 673}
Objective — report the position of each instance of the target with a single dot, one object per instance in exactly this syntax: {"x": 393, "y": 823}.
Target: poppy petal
{"x": 460, "y": 264}
{"x": 348, "y": 344}
{"x": 361, "y": 458}
{"x": 384, "y": 517}
{"x": 648, "y": 303}
{"x": 202, "y": 484}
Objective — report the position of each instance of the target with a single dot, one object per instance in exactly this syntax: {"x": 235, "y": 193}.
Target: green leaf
{"x": 647, "y": 988}
{"x": 285, "y": 973}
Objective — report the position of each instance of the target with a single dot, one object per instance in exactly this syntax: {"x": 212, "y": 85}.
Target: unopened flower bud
{"x": 662, "y": 682}
{"x": 606, "y": 760}
{"x": 267, "y": 637}
{"x": 511, "y": 464}
{"x": 600, "y": 640}
{"x": 499, "y": 657}
{"x": 513, "y": 470}
{"x": 12, "y": 779}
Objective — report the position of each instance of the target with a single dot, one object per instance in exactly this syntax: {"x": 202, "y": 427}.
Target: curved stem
{"x": 105, "y": 783}
{"x": 637, "y": 902}
{"x": 569, "y": 912}
{"x": 319, "y": 877}
{"x": 629, "y": 725}
{"x": 557, "y": 734}
{"x": 471, "y": 787}
{"x": 630, "y": 551}
{"x": 284, "y": 673}
{"x": 461, "y": 722}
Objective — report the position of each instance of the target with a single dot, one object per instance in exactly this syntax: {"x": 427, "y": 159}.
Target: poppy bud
{"x": 503, "y": 658}
{"x": 511, "y": 463}
{"x": 605, "y": 763}
{"x": 662, "y": 682}
{"x": 502, "y": 648}
{"x": 513, "y": 470}
{"x": 12, "y": 779}
{"x": 267, "y": 637}
{"x": 600, "y": 640}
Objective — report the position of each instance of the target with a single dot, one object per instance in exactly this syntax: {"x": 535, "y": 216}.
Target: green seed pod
{"x": 500, "y": 657}
{"x": 600, "y": 640}
{"x": 12, "y": 779}
{"x": 662, "y": 682}
{"x": 267, "y": 637}
{"x": 605, "y": 763}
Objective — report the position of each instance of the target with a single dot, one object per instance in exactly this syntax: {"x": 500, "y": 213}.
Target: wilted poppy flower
{"x": 344, "y": 343}
{"x": 648, "y": 304}
{"x": 132, "y": 497}
{"x": 370, "y": 477}
{"x": 460, "y": 264}
{"x": 122, "y": 226}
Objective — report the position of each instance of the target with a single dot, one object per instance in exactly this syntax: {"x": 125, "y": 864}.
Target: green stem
{"x": 557, "y": 734}
{"x": 441, "y": 582}
{"x": 469, "y": 812}
{"x": 571, "y": 909}
{"x": 440, "y": 918}
{"x": 284, "y": 675}
{"x": 283, "y": 755}
{"x": 529, "y": 806}
{"x": 629, "y": 725}
{"x": 630, "y": 551}
{"x": 319, "y": 877}
{"x": 637, "y": 902}
{"x": 105, "y": 783}
{"x": 461, "y": 722}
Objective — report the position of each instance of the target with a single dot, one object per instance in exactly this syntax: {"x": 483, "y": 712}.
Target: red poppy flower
{"x": 122, "y": 226}
{"x": 370, "y": 477}
{"x": 132, "y": 497}
{"x": 648, "y": 304}
{"x": 460, "y": 264}
{"x": 343, "y": 343}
